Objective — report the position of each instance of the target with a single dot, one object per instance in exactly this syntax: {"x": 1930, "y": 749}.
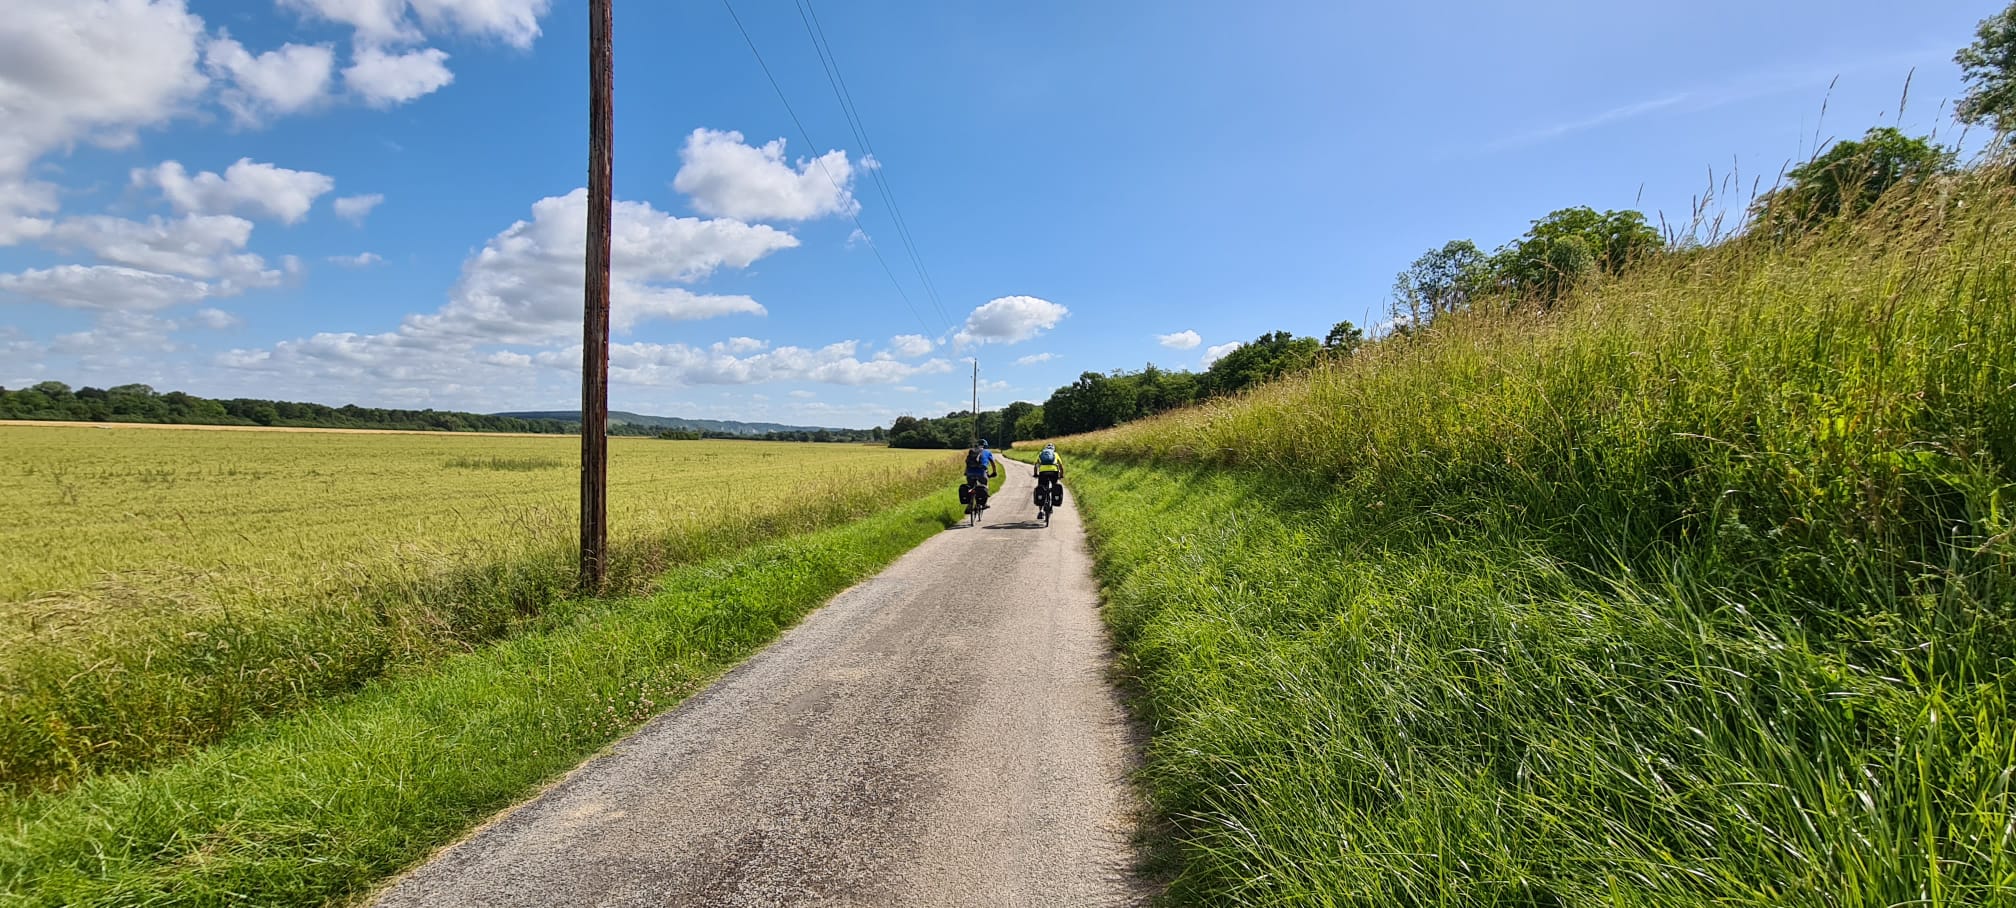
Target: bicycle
{"x": 1046, "y": 496}
{"x": 975, "y": 495}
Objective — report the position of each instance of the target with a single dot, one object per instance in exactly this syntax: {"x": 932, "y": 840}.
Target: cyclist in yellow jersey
{"x": 1050, "y": 476}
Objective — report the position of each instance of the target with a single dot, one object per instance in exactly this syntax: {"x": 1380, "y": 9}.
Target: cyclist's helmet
{"x": 983, "y": 442}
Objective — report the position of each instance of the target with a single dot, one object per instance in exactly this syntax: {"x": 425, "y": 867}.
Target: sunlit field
{"x": 81, "y": 506}
{"x": 157, "y": 585}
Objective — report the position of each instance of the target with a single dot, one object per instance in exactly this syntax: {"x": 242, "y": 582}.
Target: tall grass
{"x": 1700, "y": 589}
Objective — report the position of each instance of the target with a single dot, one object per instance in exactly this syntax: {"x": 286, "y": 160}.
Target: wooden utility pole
{"x": 595, "y": 300}
{"x": 976, "y": 403}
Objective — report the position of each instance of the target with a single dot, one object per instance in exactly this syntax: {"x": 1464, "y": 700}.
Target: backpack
{"x": 1047, "y": 457}
{"x": 974, "y": 461}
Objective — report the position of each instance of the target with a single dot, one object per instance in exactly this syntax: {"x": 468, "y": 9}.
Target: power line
{"x": 821, "y": 161}
{"x": 808, "y": 13}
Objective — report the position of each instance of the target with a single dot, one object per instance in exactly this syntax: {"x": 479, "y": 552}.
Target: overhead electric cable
{"x": 821, "y": 161}
{"x": 816, "y": 30}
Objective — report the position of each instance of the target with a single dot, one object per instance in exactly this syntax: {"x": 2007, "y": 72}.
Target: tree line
{"x": 54, "y": 400}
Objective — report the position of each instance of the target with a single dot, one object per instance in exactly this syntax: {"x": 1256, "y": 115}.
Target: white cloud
{"x": 1034, "y": 358}
{"x": 384, "y": 78}
{"x": 1011, "y": 320}
{"x": 376, "y": 21}
{"x": 1214, "y": 354}
{"x": 910, "y": 346}
{"x": 804, "y": 395}
{"x": 355, "y": 208}
{"x": 728, "y": 178}
{"x": 677, "y": 365}
{"x": 283, "y": 194}
{"x": 1181, "y": 340}
{"x": 198, "y": 246}
{"x": 114, "y": 338}
{"x": 514, "y": 22}
{"x": 287, "y": 80}
{"x": 85, "y": 71}
{"x": 360, "y": 260}
{"x": 524, "y": 286}
{"x": 21, "y": 203}
{"x": 103, "y": 287}
{"x": 217, "y": 319}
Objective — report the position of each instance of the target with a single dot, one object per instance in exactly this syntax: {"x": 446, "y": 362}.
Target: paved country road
{"x": 943, "y": 734}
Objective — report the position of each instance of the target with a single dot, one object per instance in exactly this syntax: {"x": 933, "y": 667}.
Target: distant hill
{"x": 619, "y": 417}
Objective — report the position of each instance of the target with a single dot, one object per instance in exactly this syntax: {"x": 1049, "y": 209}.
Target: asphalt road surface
{"x": 943, "y": 734}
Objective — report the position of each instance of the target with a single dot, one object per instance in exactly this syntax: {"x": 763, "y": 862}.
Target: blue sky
{"x": 1091, "y": 186}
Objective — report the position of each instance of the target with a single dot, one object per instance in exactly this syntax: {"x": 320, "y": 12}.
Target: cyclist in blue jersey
{"x": 980, "y": 463}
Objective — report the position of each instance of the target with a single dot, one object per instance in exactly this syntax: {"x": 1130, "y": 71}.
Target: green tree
{"x": 1989, "y": 66}
{"x": 1010, "y": 425}
{"x": 1439, "y": 282}
{"x": 1344, "y": 339}
{"x": 1569, "y": 245}
{"x": 1265, "y": 358}
{"x": 1032, "y": 424}
{"x": 1849, "y": 178}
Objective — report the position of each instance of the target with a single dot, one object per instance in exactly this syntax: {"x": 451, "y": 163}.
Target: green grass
{"x": 1700, "y": 590}
{"x": 322, "y": 805}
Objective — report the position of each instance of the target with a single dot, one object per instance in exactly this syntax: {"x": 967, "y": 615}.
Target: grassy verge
{"x": 1700, "y": 590}
{"x": 321, "y": 805}
{"x": 151, "y": 673}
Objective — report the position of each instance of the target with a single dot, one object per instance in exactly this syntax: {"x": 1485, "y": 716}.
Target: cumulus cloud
{"x": 1034, "y": 358}
{"x": 910, "y": 346}
{"x": 1216, "y": 353}
{"x": 514, "y": 22}
{"x": 676, "y": 365}
{"x": 385, "y": 78}
{"x": 277, "y": 192}
{"x": 206, "y": 247}
{"x": 217, "y": 319}
{"x": 360, "y": 260}
{"x": 726, "y": 177}
{"x": 355, "y": 208}
{"x": 287, "y": 80}
{"x": 93, "y": 71}
{"x": 103, "y": 287}
{"x": 114, "y": 338}
{"x": 524, "y": 286}
{"x": 1181, "y": 340}
{"x": 1011, "y": 320}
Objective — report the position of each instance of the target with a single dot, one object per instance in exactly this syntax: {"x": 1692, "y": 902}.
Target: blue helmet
{"x": 983, "y": 442}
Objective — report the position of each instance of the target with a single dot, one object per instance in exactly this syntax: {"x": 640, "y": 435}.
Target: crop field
{"x": 159, "y": 586}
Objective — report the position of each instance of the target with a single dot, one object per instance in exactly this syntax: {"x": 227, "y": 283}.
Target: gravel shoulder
{"x": 943, "y": 734}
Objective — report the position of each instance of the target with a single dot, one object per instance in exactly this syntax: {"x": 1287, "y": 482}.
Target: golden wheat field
{"x": 83, "y": 507}
{"x": 160, "y": 588}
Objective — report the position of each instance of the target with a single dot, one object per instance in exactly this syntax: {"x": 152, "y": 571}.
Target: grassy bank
{"x": 321, "y": 805}
{"x": 438, "y": 546}
{"x": 1698, "y": 590}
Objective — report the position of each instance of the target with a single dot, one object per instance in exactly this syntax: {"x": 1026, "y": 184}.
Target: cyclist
{"x": 1049, "y": 476}
{"x": 979, "y": 462}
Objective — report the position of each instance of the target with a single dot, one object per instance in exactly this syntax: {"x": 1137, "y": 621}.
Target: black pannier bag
{"x": 965, "y": 493}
